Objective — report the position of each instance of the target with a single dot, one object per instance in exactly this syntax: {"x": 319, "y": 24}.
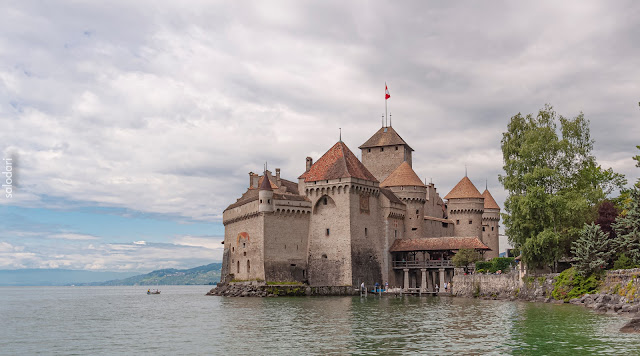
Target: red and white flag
{"x": 386, "y": 92}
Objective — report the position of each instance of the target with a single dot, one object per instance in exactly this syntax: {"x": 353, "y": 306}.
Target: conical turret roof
{"x": 265, "y": 183}
{"x": 403, "y": 175}
{"x": 489, "y": 202}
{"x": 386, "y": 136}
{"x": 464, "y": 189}
{"x": 338, "y": 162}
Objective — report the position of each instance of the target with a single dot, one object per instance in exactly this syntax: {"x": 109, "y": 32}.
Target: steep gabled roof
{"x": 338, "y": 162}
{"x": 464, "y": 189}
{"x": 437, "y": 244}
{"x": 386, "y": 136}
{"x": 489, "y": 202}
{"x": 403, "y": 175}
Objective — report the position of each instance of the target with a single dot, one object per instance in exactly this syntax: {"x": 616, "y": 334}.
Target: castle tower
{"x": 490, "y": 225}
{"x": 384, "y": 152}
{"x": 465, "y": 206}
{"x": 344, "y": 235}
{"x": 265, "y": 195}
{"x": 406, "y": 185}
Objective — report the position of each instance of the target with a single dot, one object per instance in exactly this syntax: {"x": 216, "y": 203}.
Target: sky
{"x": 129, "y": 126}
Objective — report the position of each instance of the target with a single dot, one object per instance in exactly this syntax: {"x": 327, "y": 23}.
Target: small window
{"x": 238, "y": 266}
{"x": 414, "y": 228}
{"x": 325, "y": 201}
{"x": 260, "y": 201}
{"x": 327, "y": 232}
{"x": 244, "y": 253}
{"x": 293, "y": 265}
{"x": 244, "y": 244}
{"x": 324, "y": 255}
{"x": 233, "y": 249}
{"x": 381, "y": 149}
{"x": 248, "y": 266}
{"x": 470, "y": 222}
{"x": 268, "y": 201}
{"x": 395, "y": 233}
{"x": 457, "y": 222}
{"x": 365, "y": 232}
{"x": 492, "y": 228}
{"x": 369, "y": 150}
{"x": 445, "y": 225}
{"x": 417, "y": 211}
{"x": 396, "y": 148}
{"x": 285, "y": 247}
{"x": 483, "y": 228}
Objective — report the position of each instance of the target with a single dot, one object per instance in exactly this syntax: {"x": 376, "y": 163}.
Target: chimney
{"x": 309, "y": 163}
{"x": 278, "y": 176}
{"x": 251, "y": 179}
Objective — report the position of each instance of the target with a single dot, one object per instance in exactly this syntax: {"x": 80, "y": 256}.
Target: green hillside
{"x": 209, "y": 274}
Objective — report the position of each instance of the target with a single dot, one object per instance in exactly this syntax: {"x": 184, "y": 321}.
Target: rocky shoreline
{"x": 607, "y": 303}
{"x": 239, "y": 290}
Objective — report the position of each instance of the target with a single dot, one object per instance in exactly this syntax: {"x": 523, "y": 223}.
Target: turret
{"x": 465, "y": 206}
{"x": 490, "y": 225}
{"x": 406, "y": 185}
{"x": 265, "y": 195}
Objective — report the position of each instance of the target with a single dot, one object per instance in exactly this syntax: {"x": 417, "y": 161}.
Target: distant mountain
{"x": 209, "y": 274}
{"x": 56, "y": 277}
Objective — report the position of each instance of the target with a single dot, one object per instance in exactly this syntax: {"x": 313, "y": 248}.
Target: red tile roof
{"x": 464, "y": 189}
{"x": 489, "y": 202}
{"x": 338, "y": 162}
{"x": 437, "y": 244}
{"x": 402, "y": 176}
{"x": 386, "y": 136}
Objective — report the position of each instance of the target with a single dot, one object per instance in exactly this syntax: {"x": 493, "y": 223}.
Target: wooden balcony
{"x": 423, "y": 264}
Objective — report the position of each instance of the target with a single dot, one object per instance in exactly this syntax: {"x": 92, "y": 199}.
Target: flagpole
{"x": 385, "y": 103}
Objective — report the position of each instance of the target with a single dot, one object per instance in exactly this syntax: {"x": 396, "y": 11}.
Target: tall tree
{"x": 627, "y": 226}
{"x": 464, "y": 257}
{"x": 591, "y": 250}
{"x": 553, "y": 182}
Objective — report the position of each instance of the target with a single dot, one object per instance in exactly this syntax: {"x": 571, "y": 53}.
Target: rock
{"x": 633, "y": 326}
{"x": 577, "y": 301}
{"x": 617, "y": 307}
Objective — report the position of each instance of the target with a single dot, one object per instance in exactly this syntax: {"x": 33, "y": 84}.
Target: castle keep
{"x": 345, "y": 222}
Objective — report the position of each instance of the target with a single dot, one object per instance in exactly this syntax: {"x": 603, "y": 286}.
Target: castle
{"x": 348, "y": 221}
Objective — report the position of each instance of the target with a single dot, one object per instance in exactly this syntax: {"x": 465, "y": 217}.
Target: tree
{"x": 464, "y": 257}
{"x": 591, "y": 250}
{"x": 627, "y": 227}
{"x": 553, "y": 183}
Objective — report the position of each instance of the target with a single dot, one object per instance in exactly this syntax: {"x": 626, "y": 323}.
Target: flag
{"x": 386, "y": 92}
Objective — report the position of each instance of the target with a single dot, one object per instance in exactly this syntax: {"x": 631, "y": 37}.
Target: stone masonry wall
{"x": 381, "y": 161}
{"x": 503, "y": 286}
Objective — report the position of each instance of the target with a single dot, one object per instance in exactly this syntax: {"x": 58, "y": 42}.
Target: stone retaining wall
{"x": 260, "y": 289}
{"x": 503, "y": 286}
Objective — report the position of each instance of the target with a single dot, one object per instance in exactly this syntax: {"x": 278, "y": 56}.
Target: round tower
{"x": 406, "y": 185}
{"x": 465, "y": 206}
{"x": 490, "y": 225}
{"x": 265, "y": 195}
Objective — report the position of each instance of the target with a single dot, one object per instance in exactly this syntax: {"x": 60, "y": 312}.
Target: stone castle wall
{"x": 490, "y": 237}
{"x": 367, "y": 236}
{"x": 244, "y": 245}
{"x": 381, "y": 161}
{"x": 286, "y": 246}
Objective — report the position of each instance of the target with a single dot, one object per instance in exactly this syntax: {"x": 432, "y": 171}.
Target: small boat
{"x": 153, "y": 291}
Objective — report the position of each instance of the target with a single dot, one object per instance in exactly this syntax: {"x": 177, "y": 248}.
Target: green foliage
{"x": 464, "y": 257}
{"x": 503, "y": 264}
{"x": 553, "y": 182}
{"x": 569, "y": 285}
{"x": 624, "y": 262}
{"x": 627, "y": 227}
{"x": 592, "y": 250}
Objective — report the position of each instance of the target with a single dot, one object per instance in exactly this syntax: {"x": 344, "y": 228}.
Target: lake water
{"x": 182, "y": 320}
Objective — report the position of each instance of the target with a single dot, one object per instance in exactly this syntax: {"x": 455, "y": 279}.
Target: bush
{"x": 624, "y": 262}
{"x": 494, "y": 265}
{"x": 569, "y": 285}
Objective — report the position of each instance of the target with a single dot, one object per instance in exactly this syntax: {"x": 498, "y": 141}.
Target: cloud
{"x": 209, "y": 242}
{"x": 169, "y": 119}
{"x": 72, "y": 236}
{"x": 106, "y": 256}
